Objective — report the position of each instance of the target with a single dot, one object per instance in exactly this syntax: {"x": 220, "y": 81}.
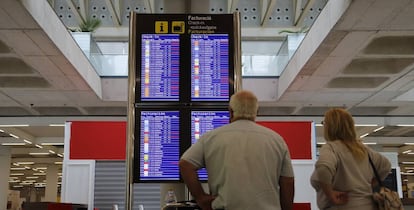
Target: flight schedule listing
{"x": 159, "y": 147}
{"x": 210, "y": 67}
{"x": 203, "y": 121}
{"x": 160, "y": 66}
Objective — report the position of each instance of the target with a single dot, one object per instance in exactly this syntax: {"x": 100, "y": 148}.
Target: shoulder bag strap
{"x": 375, "y": 172}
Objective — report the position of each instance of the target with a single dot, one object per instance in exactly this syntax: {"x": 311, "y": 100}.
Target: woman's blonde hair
{"x": 339, "y": 125}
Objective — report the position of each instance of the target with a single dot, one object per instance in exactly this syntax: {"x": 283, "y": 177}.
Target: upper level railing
{"x": 111, "y": 59}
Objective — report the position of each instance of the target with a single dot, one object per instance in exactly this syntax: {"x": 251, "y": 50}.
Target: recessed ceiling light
{"x": 27, "y": 141}
{"x": 25, "y": 163}
{"x": 53, "y": 144}
{"x": 13, "y": 144}
{"x": 17, "y": 174}
{"x": 380, "y": 128}
{"x": 56, "y": 125}
{"x": 370, "y": 143}
{"x": 14, "y": 136}
{"x": 39, "y": 153}
{"x": 17, "y": 169}
{"x": 17, "y": 125}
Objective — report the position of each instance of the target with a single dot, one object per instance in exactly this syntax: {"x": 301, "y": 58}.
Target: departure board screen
{"x": 203, "y": 121}
{"x": 210, "y": 67}
{"x": 160, "y": 67}
{"x": 159, "y": 145}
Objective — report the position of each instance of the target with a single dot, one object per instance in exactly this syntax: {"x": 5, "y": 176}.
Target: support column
{"x": 5, "y": 160}
{"x": 51, "y": 183}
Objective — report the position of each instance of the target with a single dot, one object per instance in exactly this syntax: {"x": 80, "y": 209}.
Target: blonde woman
{"x": 343, "y": 176}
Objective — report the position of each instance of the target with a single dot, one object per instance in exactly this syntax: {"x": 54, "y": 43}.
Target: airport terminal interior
{"x": 300, "y": 57}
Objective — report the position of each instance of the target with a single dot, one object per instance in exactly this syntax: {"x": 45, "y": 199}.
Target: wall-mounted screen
{"x": 159, "y": 153}
{"x": 160, "y": 67}
{"x": 210, "y": 67}
{"x": 203, "y": 121}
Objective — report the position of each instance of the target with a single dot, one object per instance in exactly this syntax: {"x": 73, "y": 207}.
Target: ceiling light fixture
{"x": 13, "y": 144}
{"x": 321, "y": 143}
{"x": 380, "y": 128}
{"x": 52, "y": 152}
{"x": 38, "y": 153}
{"x": 58, "y": 163}
{"x": 406, "y": 125}
{"x": 53, "y": 144}
{"x": 57, "y": 125}
{"x": 403, "y": 173}
{"x": 17, "y": 169}
{"x": 42, "y": 168}
{"x": 362, "y": 136}
{"x": 370, "y": 143}
{"x": 409, "y": 143}
{"x": 14, "y": 136}
{"x": 25, "y": 163}
{"x": 38, "y": 146}
{"x": 17, "y": 125}
{"x": 366, "y": 125}
{"x": 60, "y": 155}
{"x": 407, "y": 162}
{"x": 17, "y": 174}
{"x": 407, "y": 151}
{"x": 39, "y": 174}
{"x": 27, "y": 141}
{"x": 32, "y": 177}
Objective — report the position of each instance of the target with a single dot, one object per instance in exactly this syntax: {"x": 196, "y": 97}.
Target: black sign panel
{"x": 184, "y": 71}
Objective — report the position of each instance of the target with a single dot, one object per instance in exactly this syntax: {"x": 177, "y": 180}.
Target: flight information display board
{"x": 159, "y": 145}
{"x": 204, "y": 121}
{"x": 181, "y": 67}
{"x": 210, "y": 67}
{"x": 160, "y": 67}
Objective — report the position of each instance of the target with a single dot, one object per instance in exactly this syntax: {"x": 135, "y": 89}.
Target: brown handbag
{"x": 385, "y": 197}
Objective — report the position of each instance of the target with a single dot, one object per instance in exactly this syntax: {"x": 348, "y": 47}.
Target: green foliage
{"x": 301, "y": 30}
{"x": 90, "y": 25}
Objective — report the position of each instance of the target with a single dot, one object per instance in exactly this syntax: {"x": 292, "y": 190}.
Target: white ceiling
{"x": 364, "y": 63}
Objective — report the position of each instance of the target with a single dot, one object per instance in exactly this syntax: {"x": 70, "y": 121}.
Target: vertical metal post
{"x": 237, "y": 52}
{"x": 129, "y": 185}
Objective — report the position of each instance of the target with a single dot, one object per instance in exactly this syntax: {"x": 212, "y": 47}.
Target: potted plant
{"x": 83, "y": 34}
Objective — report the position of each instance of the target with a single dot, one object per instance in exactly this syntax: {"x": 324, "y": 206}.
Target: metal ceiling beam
{"x": 114, "y": 9}
{"x": 149, "y": 4}
{"x": 83, "y": 8}
{"x": 306, "y": 9}
{"x": 267, "y": 9}
{"x": 232, "y": 5}
{"x": 75, "y": 11}
{"x": 298, "y": 9}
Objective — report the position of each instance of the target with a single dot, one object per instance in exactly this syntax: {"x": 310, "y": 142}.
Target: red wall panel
{"x": 98, "y": 140}
{"x": 297, "y": 136}
{"x": 301, "y": 206}
{"x": 107, "y": 140}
